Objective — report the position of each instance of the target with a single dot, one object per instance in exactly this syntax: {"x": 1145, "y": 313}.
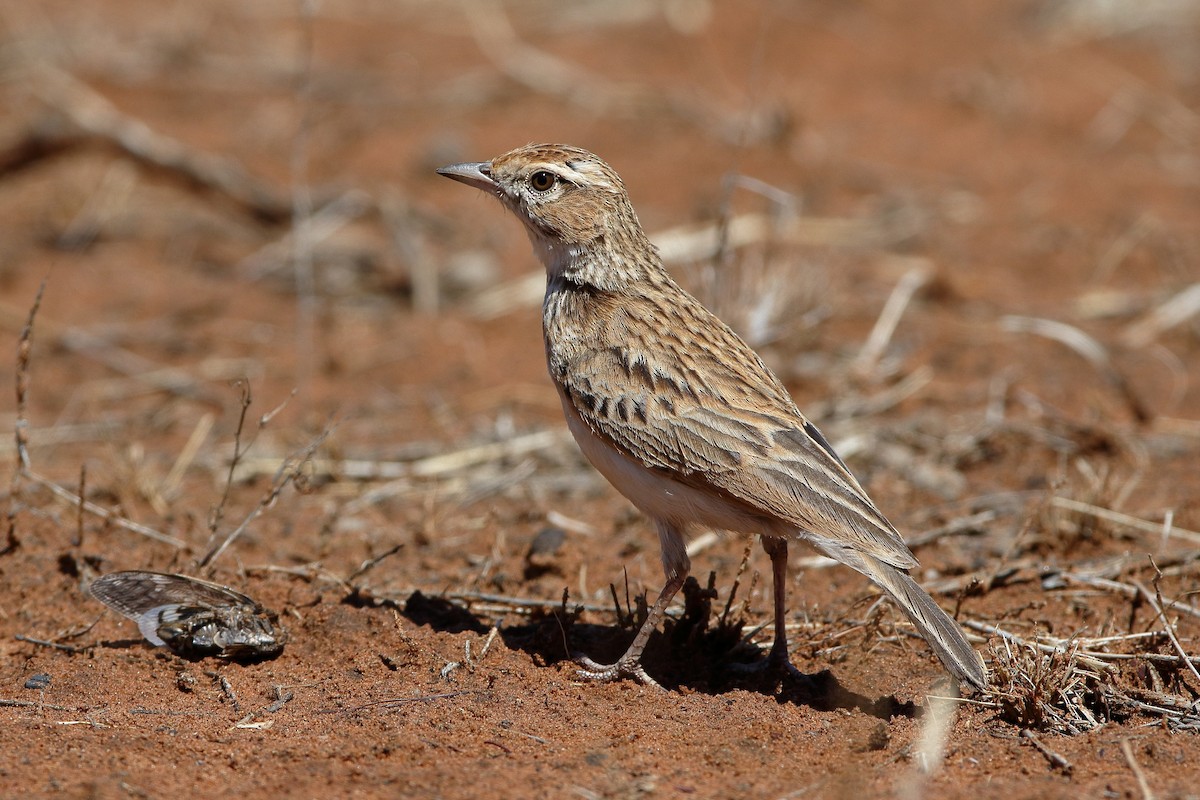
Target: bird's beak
{"x": 477, "y": 174}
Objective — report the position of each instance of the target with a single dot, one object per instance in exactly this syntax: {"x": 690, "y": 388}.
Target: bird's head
{"x": 572, "y": 203}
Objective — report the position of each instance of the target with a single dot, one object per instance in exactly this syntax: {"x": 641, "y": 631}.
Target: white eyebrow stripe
{"x": 592, "y": 173}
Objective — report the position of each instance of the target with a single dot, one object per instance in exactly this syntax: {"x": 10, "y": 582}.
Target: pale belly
{"x": 664, "y": 500}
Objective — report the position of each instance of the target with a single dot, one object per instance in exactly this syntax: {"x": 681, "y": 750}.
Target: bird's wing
{"x": 714, "y": 416}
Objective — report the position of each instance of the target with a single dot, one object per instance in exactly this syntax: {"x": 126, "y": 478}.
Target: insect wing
{"x": 134, "y": 592}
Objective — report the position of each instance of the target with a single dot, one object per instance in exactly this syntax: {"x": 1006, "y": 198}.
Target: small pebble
{"x": 38, "y": 681}
{"x": 547, "y": 542}
{"x": 543, "y": 551}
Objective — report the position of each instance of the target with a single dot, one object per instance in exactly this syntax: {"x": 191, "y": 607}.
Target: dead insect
{"x": 194, "y": 618}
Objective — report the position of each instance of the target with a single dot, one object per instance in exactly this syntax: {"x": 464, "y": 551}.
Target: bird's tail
{"x": 943, "y": 634}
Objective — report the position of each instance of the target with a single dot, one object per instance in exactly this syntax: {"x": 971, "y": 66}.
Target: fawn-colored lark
{"x": 678, "y": 413}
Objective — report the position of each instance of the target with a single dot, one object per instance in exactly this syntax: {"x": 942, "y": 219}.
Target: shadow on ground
{"x": 696, "y": 651}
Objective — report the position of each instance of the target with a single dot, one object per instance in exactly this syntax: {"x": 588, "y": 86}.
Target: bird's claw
{"x": 622, "y": 668}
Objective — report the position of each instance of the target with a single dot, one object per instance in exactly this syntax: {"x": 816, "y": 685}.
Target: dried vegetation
{"x": 1046, "y": 471}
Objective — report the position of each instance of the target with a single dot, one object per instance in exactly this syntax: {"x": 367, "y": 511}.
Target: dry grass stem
{"x": 1089, "y": 349}
{"x": 1056, "y": 760}
{"x": 443, "y": 464}
{"x": 504, "y": 298}
{"x": 371, "y": 563}
{"x": 696, "y": 243}
{"x": 38, "y": 704}
{"x": 71, "y": 499}
{"x": 21, "y": 426}
{"x": 75, "y": 340}
{"x": 1072, "y": 685}
{"x": 550, "y": 75}
{"x": 702, "y": 542}
{"x": 962, "y": 525}
{"x": 65, "y": 434}
{"x": 1092, "y": 658}
{"x": 1136, "y": 769}
{"x": 218, "y": 511}
{"x": 1126, "y": 589}
{"x": 187, "y": 455}
{"x": 560, "y": 520}
{"x": 1120, "y": 249}
{"x": 305, "y": 234}
{"x": 410, "y": 237}
{"x": 1175, "y": 311}
{"x": 889, "y": 318}
{"x": 1042, "y": 690}
{"x": 288, "y": 472}
{"x": 693, "y": 244}
{"x": 536, "y": 69}
{"x": 1117, "y": 518}
{"x": 935, "y": 730}
{"x": 79, "y": 513}
{"x": 856, "y": 405}
{"x": 765, "y": 293}
{"x": 24, "y": 468}
{"x": 1155, "y": 601}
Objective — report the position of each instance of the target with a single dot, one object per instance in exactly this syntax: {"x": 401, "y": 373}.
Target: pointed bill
{"x": 477, "y": 174}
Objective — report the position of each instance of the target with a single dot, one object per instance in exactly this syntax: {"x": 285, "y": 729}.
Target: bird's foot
{"x": 624, "y": 667}
{"x": 776, "y": 668}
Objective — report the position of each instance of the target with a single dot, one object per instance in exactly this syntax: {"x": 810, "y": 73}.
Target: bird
{"x": 679, "y": 414}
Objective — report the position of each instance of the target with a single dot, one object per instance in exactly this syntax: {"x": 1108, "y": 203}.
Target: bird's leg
{"x": 676, "y": 566}
{"x": 777, "y": 549}
{"x": 778, "y": 665}
{"x": 630, "y": 664}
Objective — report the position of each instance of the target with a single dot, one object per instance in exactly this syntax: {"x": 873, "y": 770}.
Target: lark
{"x": 679, "y": 413}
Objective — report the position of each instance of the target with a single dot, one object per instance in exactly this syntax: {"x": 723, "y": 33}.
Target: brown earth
{"x": 1029, "y": 160}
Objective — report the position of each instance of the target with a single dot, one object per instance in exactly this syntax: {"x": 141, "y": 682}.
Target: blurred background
{"x": 944, "y": 212}
{"x": 964, "y": 234}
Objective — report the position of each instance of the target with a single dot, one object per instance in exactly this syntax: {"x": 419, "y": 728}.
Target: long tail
{"x": 942, "y": 633}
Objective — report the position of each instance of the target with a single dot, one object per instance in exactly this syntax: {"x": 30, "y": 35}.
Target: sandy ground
{"x": 1017, "y": 180}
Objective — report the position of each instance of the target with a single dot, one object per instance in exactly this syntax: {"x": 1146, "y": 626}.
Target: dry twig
{"x": 1117, "y": 518}
{"x": 697, "y": 243}
{"x": 547, "y": 74}
{"x": 1175, "y": 311}
{"x": 1057, "y": 761}
{"x": 889, "y": 318}
{"x": 125, "y": 362}
{"x": 1143, "y": 784}
{"x": 1156, "y": 602}
{"x": 289, "y": 470}
{"x": 24, "y": 468}
{"x": 99, "y": 118}
{"x": 1087, "y": 347}
{"x": 305, "y": 233}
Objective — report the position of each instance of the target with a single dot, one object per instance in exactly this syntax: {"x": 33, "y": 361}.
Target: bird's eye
{"x": 541, "y": 181}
